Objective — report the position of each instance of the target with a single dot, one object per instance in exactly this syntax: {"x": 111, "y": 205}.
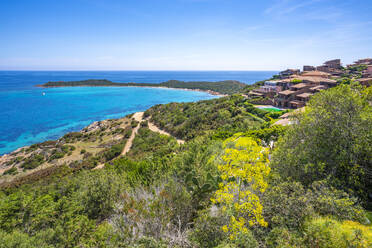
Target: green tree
{"x": 331, "y": 140}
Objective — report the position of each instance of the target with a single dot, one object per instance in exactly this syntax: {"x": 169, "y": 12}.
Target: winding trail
{"x": 138, "y": 116}
{"x": 154, "y": 128}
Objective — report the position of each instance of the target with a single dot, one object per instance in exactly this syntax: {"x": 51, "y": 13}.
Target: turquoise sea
{"x": 28, "y": 116}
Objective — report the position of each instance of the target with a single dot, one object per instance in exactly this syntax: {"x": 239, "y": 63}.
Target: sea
{"x": 30, "y": 114}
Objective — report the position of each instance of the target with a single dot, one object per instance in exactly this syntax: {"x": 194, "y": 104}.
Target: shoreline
{"x": 214, "y": 93}
{"x": 5, "y": 155}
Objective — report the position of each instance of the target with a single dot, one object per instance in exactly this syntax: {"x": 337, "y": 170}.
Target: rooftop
{"x": 319, "y": 87}
{"x": 315, "y": 74}
{"x": 314, "y": 79}
{"x": 300, "y": 85}
{"x": 305, "y": 95}
{"x": 286, "y": 92}
{"x": 255, "y": 93}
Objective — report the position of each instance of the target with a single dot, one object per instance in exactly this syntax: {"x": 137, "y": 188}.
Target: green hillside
{"x": 228, "y": 185}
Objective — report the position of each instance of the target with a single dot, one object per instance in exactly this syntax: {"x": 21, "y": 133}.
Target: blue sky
{"x": 181, "y": 34}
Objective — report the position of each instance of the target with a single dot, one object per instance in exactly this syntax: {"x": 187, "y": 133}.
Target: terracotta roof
{"x": 255, "y": 93}
{"x": 314, "y": 79}
{"x": 305, "y": 95}
{"x": 316, "y": 74}
{"x": 300, "y": 86}
{"x": 286, "y": 92}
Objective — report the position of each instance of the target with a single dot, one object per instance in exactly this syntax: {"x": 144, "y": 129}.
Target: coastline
{"x": 214, "y": 93}
{"x": 4, "y": 156}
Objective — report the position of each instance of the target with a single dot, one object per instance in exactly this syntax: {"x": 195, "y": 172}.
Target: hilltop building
{"x": 299, "y": 93}
{"x": 289, "y": 72}
{"x": 367, "y": 61}
{"x": 295, "y": 88}
{"x": 309, "y": 68}
{"x": 332, "y": 66}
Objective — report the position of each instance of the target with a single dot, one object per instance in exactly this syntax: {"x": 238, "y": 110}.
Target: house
{"x": 335, "y": 64}
{"x": 301, "y": 100}
{"x": 317, "y": 89}
{"x": 367, "y": 61}
{"x": 289, "y": 72}
{"x": 271, "y": 86}
{"x": 332, "y": 66}
{"x": 289, "y": 99}
{"x": 269, "y": 89}
{"x": 298, "y": 94}
{"x": 309, "y": 68}
{"x": 283, "y": 98}
{"x": 368, "y": 72}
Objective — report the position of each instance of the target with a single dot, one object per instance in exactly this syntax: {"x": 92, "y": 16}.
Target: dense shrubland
{"x": 311, "y": 191}
{"x": 222, "y": 87}
{"x": 227, "y": 114}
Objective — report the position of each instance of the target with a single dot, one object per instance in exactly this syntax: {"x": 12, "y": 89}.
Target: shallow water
{"x": 28, "y": 116}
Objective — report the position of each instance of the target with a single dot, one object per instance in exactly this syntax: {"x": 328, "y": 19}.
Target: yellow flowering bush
{"x": 243, "y": 168}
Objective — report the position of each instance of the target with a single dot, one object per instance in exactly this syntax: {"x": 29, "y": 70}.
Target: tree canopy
{"x": 331, "y": 140}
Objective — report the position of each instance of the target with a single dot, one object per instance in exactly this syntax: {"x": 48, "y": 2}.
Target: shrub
{"x": 288, "y": 204}
{"x": 33, "y": 161}
{"x": 281, "y": 237}
{"x": 113, "y": 152}
{"x": 207, "y": 231}
{"x": 327, "y": 232}
{"x": 56, "y": 155}
{"x": 162, "y": 213}
{"x": 11, "y": 171}
{"x": 133, "y": 123}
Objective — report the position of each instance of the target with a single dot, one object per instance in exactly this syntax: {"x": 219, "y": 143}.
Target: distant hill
{"x": 220, "y": 87}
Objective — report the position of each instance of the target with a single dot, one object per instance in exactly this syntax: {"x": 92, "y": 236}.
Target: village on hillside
{"x": 292, "y": 88}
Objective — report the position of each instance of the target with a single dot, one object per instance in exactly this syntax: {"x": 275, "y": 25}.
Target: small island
{"x": 226, "y": 87}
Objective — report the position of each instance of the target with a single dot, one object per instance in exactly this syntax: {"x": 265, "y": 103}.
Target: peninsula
{"x": 225, "y": 87}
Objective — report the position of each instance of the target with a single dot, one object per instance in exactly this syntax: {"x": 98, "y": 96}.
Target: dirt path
{"x": 138, "y": 117}
{"x": 154, "y": 128}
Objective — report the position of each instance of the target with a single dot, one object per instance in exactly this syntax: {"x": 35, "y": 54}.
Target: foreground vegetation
{"x": 221, "y": 87}
{"x": 219, "y": 189}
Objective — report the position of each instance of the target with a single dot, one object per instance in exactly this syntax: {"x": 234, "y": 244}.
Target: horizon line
{"x": 77, "y": 70}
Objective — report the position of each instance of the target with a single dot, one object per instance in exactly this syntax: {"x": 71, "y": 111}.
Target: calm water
{"x": 27, "y": 116}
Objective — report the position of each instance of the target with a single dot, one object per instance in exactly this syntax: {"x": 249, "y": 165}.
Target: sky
{"x": 182, "y": 34}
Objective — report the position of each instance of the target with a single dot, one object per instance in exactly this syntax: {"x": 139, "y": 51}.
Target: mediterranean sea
{"x": 30, "y": 115}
